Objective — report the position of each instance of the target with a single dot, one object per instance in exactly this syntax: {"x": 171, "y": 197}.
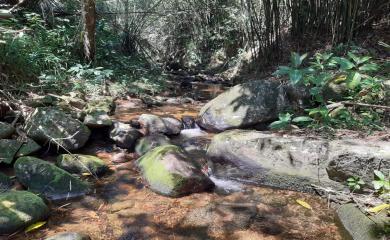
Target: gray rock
{"x": 170, "y": 172}
{"x": 249, "y": 104}
{"x": 50, "y": 125}
{"x": 97, "y": 120}
{"x": 6, "y": 130}
{"x": 5, "y": 182}
{"x": 150, "y": 142}
{"x": 69, "y": 236}
{"x": 156, "y": 125}
{"x": 124, "y": 135}
{"x": 28, "y": 147}
{"x": 82, "y": 164}
{"x": 19, "y": 209}
{"x": 8, "y": 150}
{"x": 357, "y": 226}
{"x": 50, "y": 181}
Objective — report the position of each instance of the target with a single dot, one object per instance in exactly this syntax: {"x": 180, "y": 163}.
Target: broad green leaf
{"x": 353, "y": 57}
{"x": 377, "y": 184}
{"x": 369, "y": 67}
{"x": 304, "y": 204}
{"x": 278, "y": 125}
{"x": 379, "y": 208}
{"x": 379, "y": 175}
{"x": 285, "y": 117}
{"x": 364, "y": 59}
{"x": 295, "y": 76}
{"x": 283, "y": 70}
{"x": 344, "y": 63}
{"x": 296, "y": 59}
{"x": 34, "y": 226}
{"x": 353, "y": 80}
{"x": 302, "y": 119}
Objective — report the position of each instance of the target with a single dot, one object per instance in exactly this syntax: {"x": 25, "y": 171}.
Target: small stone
{"x": 124, "y": 135}
{"x": 156, "y": 125}
{"x": 121, "y": 157}
{"x": 69, "y": 236}
{"x": 97, "y": 120}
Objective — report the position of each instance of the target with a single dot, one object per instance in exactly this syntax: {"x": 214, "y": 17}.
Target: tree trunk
{"x": 89, "y": 27}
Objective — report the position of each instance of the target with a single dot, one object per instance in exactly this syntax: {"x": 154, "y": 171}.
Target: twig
{"x": 347, "y": 103}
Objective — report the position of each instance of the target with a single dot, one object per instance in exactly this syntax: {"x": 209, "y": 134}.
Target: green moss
{"x": 156, "y": 173}
{"x": 19, "y": 209}
{"x": 8, "y": 150}
{"x": 28, "y": 148}
{"x": 6, "y": 130}
{"x": 47, "y": 179}
{"x": 77, "y": 163}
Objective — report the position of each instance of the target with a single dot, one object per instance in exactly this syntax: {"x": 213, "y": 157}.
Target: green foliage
{"x": 355, "y": 71}
{"x": 381, "y": 183}
{"x": 286, "y": 121}
{"x": 355, "y": 183}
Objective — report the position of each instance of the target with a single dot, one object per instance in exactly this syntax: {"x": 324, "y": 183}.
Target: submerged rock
{"x": 249, "y": 104}
{"x": 50, "y": 125}
{"x": 6, "y": 130}
{"x": 79, "y": 164}
{"x": 156, "y": 125}
{"x": 124, "y": 135}
{"x": 295, "y": 162}
{"x": 169, "y": 172}
{"x": 19, "y": 209}
{"x": 47, "y": 179}
{"x": 69, "y": 236}
{"x": 29, "y": 147}
{"x": 8, "y": 150}
{"x": 150, "y": 142}
{"x": 5, "y": 182}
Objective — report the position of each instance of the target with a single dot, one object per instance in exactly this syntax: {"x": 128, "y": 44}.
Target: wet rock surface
{"x": 124, "y": 135}
{"x": 156, "y": 125}
{"x": 8, "y": 150}
{"x": 150, "y": 142}
{"x": 82, "y": 164}
{"x": 6, "y": 130}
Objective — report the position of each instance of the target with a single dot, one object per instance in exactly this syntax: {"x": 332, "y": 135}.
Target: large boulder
{"x": 97, "y": 120}
{"x": 6, "y": 130}
{"x": 82, "y": 164}
{"x": 170, "y": 172}
{"x": 8, "y": 150}
{"x": 160, "y": 125}
{"x": 249, "y": 104}
{"x": 48, "y": 180}
{"x": 50, "y": 125}
{"x": 124, "y": 135}
{"x": 150, "y": 142}
{"x": 295, "y": 163}
{"x": 69, "y": 236}
{"x": 19, "y": 209}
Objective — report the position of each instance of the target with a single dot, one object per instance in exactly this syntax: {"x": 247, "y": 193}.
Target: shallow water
{"x": 122, "y": 207}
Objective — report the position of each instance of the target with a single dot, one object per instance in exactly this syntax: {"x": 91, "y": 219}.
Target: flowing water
{"x": 122, "y": 207}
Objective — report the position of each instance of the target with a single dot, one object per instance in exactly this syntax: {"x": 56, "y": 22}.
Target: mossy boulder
{"x": 97, "y": 120}
{"x": 249, "y": 104}
{"x": 6, "y": 130}
{"x": 102, "y": 104}
{"x": 5, "y": 182}
{"x": 170, "y": 172}
{"x": 82, "y": 164}
{"x": 19, "y": 209}
{"x": 28, "y": 147}
{"x": 69, "y": 236}
{"x": 150, "y": 142}
{"x": 45, "y": 178}
{"x": 8, "y": 150}
{"x": 51, "y": 125}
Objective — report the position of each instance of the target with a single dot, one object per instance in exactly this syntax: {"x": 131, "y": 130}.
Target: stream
{"x": 122, "y": 207}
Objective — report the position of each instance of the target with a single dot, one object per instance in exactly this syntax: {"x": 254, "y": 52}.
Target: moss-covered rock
{"x": 79, "y": 164}
{"x": 169, "y": 172}
{"x": 51, "y": 125}
{"x": 28, "y": 147}
{"x": 8, "y": 150}
{"x": 102, "y": 104}
{"x": 5, "y": 182}
{"x": 19, "y": 209}
{"x": 6, "y": 130}
{"x": 150, "y": 142}
{"x": 47, "y": 179}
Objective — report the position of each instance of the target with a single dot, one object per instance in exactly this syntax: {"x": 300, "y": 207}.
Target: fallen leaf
{"x": 304, "y": 204}
{"x": 34, "y": 226}
{"x": 87, "y": 174}
{"x": 379, "y": 208}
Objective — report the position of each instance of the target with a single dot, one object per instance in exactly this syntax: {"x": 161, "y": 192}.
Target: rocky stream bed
{"x": 144, "y": 169}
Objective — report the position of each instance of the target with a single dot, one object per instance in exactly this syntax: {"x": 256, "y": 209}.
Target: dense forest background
{"x": 136, "y": 41}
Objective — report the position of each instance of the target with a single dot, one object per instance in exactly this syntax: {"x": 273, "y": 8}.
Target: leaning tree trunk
{"x": 89, "y": 27}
